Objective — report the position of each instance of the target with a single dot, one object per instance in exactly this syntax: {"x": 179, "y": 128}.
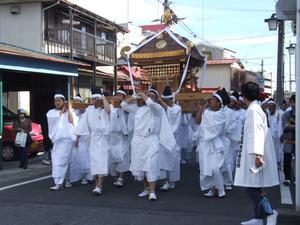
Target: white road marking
{"x": 285, "y": 192}
{"x": 23, "y": 183}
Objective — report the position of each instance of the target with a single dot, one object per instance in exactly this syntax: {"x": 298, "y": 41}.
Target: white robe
{"x": 231, "y": 138}
{"x": 80, "y": 162}
{"x": 95, "y": 123}
{"x": 127, "y": 141}
{"x": 211, "y": 146}
{"x": 183, "y": 141}
{"x": 257, "y": 140}
{"x": 191, "y": 131}
{"x": 236, "y": 137}
{"x": 147, "y": 138}
{"x": 63, "y": 139}
{"x": 170, "y": 160}
{"x": 119, "y": 160}
{"x": 273, "y": 122}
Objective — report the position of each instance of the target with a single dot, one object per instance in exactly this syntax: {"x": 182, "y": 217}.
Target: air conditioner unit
{"x": 14, "y": 10}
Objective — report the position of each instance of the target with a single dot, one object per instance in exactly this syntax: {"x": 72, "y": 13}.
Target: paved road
{"x": 12, "y": 174}
{"x": 35, "y": 204}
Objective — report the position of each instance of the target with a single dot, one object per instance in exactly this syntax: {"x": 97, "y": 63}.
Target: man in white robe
{"x": 211, "y": 144}
{"x": 256, "y": 162}
{"x": 119, "y": 151}
{"x": 95, "y": 123}
{"x": 230, "y": 126}
{"x": 273, "y": 124}
{"x": 61, "y": 123}
{"x": 150, "y": 122}
{"x": 280, "y": 114}
{"x": 242, "y": 109}
{"x": 183, "y": 142}
{"x": 233, "y": 136}
{"x": 81, "y": 155}
{"x": 174, "y": 116}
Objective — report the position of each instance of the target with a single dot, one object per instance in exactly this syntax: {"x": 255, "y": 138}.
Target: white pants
{"x": 61, "y": 154}
{"x": 151, "y": 176}
{"x": 58, "y": 180}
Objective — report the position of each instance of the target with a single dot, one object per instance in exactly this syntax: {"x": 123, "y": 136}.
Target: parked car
{"x": 9, "y": 151}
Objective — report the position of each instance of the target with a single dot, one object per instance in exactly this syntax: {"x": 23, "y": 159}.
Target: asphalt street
{"x": 35, "y": 204}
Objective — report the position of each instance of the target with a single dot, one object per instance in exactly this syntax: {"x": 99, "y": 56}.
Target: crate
{"x": 190, "y": 101}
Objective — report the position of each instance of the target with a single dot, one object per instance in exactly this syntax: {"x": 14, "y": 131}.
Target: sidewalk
{"x": 11, "y": 174}
{"x": 287, "y": 212}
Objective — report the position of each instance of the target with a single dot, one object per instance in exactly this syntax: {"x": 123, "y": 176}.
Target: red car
{"x": 9, "y": 151}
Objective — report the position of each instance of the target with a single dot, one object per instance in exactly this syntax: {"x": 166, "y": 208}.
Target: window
{"x": 103, "y": 35}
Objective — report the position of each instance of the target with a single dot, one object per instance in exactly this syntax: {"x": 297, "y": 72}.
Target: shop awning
{"x": 14, "y": 58}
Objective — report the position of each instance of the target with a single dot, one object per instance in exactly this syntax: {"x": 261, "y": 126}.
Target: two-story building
{"x": 227, "y": 73}
{"x": 64, "y": 29}
{"x": 223, "y": 69}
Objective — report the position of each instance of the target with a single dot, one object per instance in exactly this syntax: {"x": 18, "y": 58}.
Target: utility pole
{"x": 202, "y": 20}
{"x": 116, "y": 64}
{"x": 290, "y": 68}
{"x": 158, "y": 14}
{"x": 166, "y": 5}
{"x": 262, "y": 67}
{"x": 271, "y": 83}
{"x": 260, "y": 77}
{"x": 280, "y": 63}
{"x": 70, "y": 84}
{"x": 127, "y": 11}
{"x": 262, "y": 73}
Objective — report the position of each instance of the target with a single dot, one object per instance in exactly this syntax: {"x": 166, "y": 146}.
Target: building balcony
{"x": 81, "y": 45}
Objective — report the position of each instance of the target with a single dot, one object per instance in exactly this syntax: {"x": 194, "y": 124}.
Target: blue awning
{"x": 33, "y": 65}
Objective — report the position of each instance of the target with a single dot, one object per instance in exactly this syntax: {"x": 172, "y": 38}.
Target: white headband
{"x": 153, "y": 90}
{"x": 21, "y": 110}
{"x": 167, "y": 96}
{"x": 218, "y": 97}
{"x": 121, "y": 92}
{"x": 264, "y": 101}
{"x": 271, "y": 102}
{"x": 97, "y": 96}
{"x": 233, "y": 97}
{"x": 78, "y": 98}
{"x": 134, "y": 96}
{"x": 59, "y": 96}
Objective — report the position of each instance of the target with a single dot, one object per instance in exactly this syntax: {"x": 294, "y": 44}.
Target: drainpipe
{"x": 43, "y": 21}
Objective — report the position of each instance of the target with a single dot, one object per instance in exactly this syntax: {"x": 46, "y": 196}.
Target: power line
{"x": 245, "y": 38}
{"x": 224, "y": 9}
{"x": 151, "y": 3}
{"x": 188, "y": 29}
{"x": 240, "y": 31}
{"x": 259, "y": 58}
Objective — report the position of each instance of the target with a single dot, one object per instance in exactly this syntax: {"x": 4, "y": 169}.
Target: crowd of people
{"x": 239, "y": 140}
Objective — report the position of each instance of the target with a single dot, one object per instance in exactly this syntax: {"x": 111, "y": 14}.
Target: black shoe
{"x": 287, "y": 182}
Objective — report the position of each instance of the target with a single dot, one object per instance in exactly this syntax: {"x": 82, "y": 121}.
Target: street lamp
{"x": 272, "y": 22}
{"x": 291, "y": 48}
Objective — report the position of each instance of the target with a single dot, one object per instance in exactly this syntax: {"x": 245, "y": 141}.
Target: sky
{"x": 237, "y": 25}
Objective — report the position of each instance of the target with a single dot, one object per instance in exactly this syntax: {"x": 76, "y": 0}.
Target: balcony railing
{"x": 85, "y": 45}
